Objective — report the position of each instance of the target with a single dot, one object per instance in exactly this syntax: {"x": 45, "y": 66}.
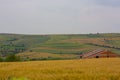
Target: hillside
{"x": 56, "y": 46}
{"x": 85, "y": 69}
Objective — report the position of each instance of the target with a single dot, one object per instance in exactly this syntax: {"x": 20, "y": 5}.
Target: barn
{"x": 99, "y": 53}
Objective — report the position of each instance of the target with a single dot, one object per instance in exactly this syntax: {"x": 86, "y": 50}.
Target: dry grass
{"x": 85, "y": 69}
{"x": 38, "y": 55}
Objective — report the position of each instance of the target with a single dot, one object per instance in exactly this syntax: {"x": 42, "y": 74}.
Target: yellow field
{"x": 37, "y": 55}
{"x": 85, "y": 69}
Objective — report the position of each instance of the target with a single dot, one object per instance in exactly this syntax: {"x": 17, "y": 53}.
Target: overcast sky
{"x": 59, "y": 16}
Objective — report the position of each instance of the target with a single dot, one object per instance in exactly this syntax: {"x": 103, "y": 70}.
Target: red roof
{"x": 98, "y": 52}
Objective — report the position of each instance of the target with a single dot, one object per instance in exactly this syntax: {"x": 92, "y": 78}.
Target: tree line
{"x": 10, "y": 58}
{"x": 105, "y": 46}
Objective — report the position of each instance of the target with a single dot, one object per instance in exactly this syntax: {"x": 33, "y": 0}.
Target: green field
{"x": 59, "y": 45}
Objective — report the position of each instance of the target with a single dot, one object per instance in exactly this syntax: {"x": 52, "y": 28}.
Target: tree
{"x": 12, "y": 58}
{"x": 1, "y": 59}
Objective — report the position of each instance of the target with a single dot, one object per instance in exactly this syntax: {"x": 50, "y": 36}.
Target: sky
{"x": 59, "y": 16}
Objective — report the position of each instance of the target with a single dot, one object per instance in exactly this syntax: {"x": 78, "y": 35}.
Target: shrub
{"x": 1, "y": 59}
{"x": 12, "y": 58}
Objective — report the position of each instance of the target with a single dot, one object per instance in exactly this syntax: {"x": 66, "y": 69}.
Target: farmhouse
{"x": 99, "y": 53}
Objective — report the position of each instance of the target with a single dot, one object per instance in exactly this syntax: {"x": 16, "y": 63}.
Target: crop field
{"x": 56, "y": 46}
{"x": 84, "y": 69}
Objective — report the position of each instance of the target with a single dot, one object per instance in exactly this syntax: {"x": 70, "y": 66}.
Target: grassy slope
{"x": 86, "y": 69}
{"x": 61, "y": 44}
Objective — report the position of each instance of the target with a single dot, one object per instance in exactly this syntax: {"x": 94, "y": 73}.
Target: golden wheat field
{"x": 84, "y": 69}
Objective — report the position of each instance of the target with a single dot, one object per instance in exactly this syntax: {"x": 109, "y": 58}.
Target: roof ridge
{"x": 93, "y": 52}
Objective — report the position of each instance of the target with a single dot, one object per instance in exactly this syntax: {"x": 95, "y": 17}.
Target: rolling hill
{"x": 42, "y": 47}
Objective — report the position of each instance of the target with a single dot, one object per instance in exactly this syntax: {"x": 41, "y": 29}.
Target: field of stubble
{"x": 85, "y": 69}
